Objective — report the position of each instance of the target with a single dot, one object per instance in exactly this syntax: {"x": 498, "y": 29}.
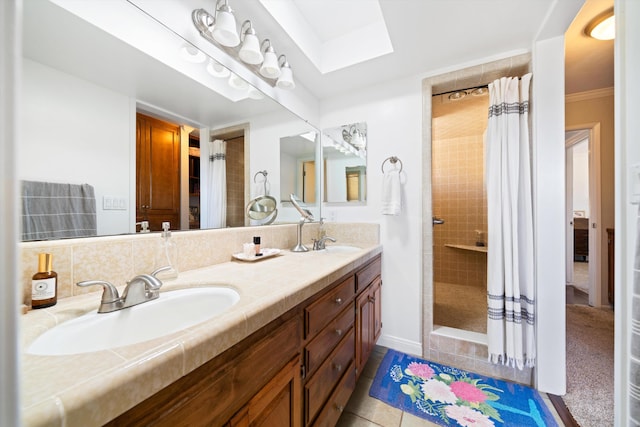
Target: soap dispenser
{"x": 166, "y": 255}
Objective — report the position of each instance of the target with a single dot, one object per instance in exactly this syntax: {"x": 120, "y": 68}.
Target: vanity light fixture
{"x": 285, "y": 81}
{"x": 223, "y": 27}
{"x": 238, "y": 82}
{"x": 217, "y": 70}
{"x": 270, "y": 68}
{"x": 191, "y": 53}
{"x": 250, "y": 51}
{"x": 602, "y": 27}
{"x": 260, "y": 58}
{"x": 355, "y": 137}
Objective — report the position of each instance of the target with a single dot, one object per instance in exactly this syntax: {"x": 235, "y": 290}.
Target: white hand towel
{"x": 391, "y": 196}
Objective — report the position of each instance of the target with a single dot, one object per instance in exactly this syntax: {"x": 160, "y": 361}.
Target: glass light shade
{"x": 217, "y": 70}
{"x": 192, "y": 54}
{"x": 250, "y": 51}
{"x": 270, "y": 68}
{"x": 224, "y": 30}
{"x": 237, "y": 82}
{"x": 285, "y": 81}
{"x": 255, "y": 93}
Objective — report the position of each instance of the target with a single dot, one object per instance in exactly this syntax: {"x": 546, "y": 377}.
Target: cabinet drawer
{"x": 320, "y": 386}
{"x": 338, "y": 401}
{"x": 367, "y": 274}
{"x": 321, "y": 312}
{"x": 327, "y": 339}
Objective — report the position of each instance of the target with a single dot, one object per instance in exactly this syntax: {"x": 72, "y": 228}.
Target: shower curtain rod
{"x": 465, "y": 89}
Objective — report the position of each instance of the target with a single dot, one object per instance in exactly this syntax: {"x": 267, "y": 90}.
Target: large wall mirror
{"x": 92, "y": 86}
{"x": 344, "y": 152}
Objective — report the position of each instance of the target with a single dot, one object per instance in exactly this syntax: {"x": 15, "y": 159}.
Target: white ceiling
{"x": 428, "y": 37}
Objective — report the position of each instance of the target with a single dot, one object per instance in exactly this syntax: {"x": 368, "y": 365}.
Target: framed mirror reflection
{"x": 344, "y": 155}
{"x": 134, "y": 118}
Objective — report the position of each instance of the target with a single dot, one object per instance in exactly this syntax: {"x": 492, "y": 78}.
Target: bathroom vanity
{"x": 300, "y": 369}
{"x": 288, "y": 353}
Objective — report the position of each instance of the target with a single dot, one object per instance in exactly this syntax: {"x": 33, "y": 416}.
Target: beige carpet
{"x": 589, "y": 395}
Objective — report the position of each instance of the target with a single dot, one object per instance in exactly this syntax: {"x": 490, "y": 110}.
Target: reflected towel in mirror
{"x": 55, "y": 210}
{"x": 391, "y": 193}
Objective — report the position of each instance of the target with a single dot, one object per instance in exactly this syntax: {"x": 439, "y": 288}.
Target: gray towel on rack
{"x": 53, "y": 211}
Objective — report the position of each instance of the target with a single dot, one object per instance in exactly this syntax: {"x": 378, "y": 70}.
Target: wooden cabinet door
{"x": 368, "y": 323}
{"x": 157, "y": 172}
{"x": 376, "y": 301}
{"x": 279, "y": 403}
{"x": 364, "y": 313}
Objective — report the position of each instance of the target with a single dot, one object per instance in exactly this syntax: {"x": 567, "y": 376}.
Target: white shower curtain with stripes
{"x": 510, "y": 277}
{"x": 217, "y": 185}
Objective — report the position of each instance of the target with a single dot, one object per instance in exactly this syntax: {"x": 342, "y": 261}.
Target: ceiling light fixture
{"x": 602, "y": 27}
{"x": 458, "y": 95}
{"x": 260, "y": 58}
{"x": 250, "y": 51}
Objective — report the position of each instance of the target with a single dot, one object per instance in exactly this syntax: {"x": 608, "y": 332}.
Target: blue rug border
{"x": 391, "y": 355}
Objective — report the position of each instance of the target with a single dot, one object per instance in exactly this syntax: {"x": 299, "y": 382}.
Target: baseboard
{"x": 401, "y": 344}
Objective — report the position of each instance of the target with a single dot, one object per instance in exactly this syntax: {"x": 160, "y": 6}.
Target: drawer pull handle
{"x": 338, "y": 300}
{"x": 339, "y": 408}
{"x": 339, "y": 332}
{"x": 338, "y": 367}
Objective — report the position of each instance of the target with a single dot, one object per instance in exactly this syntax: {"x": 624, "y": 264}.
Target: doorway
{"x": 583, "y": 251}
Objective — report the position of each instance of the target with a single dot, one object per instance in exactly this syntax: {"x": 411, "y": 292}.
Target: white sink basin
{"x": 341, "y": 249}
{"x": 171, "y": 312}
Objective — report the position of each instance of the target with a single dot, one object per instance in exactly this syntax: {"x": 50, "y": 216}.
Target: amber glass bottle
{"x": 44, "y": 284}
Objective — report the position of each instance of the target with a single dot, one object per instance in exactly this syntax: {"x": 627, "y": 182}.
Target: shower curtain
{"x": 217, "y": 185}
{"x": 510, "y": 286}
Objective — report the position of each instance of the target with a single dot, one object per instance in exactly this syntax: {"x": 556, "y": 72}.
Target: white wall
{"x": 393, "y": 114}
{"x": 627, "y": 153}
{"x": 63, "y": 114}
{"x": 580, "y": 153}
{"x": 548, "y": 155}
{"x": 265, "y": 135}
{"x": 10, "y": 296}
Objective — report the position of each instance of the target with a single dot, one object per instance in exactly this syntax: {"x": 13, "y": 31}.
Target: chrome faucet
{"x": 320, "y": 244}
{"x": 142, "y": 288}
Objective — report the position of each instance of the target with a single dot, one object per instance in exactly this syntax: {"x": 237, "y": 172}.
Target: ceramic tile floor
{"x": 365, "y": 411}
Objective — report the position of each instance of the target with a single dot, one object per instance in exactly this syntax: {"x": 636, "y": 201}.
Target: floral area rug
{"x": 452, "y": 397}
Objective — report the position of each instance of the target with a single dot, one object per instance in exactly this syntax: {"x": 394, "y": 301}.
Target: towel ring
{"x": 393, "y": 160}
{"x": 263, "y": 173}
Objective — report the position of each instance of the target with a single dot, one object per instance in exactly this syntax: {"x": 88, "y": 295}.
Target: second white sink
{"x": 171, "y": 312}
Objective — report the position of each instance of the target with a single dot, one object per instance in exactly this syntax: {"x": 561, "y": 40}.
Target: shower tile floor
{"x": 460, "y": 307}
{"x": 366, "y": 411}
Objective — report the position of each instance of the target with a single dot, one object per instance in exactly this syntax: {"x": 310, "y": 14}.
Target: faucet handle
{"x": 109, "y": 293}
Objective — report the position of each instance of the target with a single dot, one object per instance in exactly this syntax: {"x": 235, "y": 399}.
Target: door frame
{"x": 595, "y": 211}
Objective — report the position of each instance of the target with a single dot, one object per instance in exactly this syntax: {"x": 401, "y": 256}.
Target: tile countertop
{"x": 92, "y": 388}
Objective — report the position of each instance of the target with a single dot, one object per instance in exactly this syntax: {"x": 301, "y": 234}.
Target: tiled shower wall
{"x": 437, "y": 346}
{"x": 235, "y": 182}
{"x": 459, "y": 194}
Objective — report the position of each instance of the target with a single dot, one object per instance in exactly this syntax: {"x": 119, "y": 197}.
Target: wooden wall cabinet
{"x": 157, "y": 172}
